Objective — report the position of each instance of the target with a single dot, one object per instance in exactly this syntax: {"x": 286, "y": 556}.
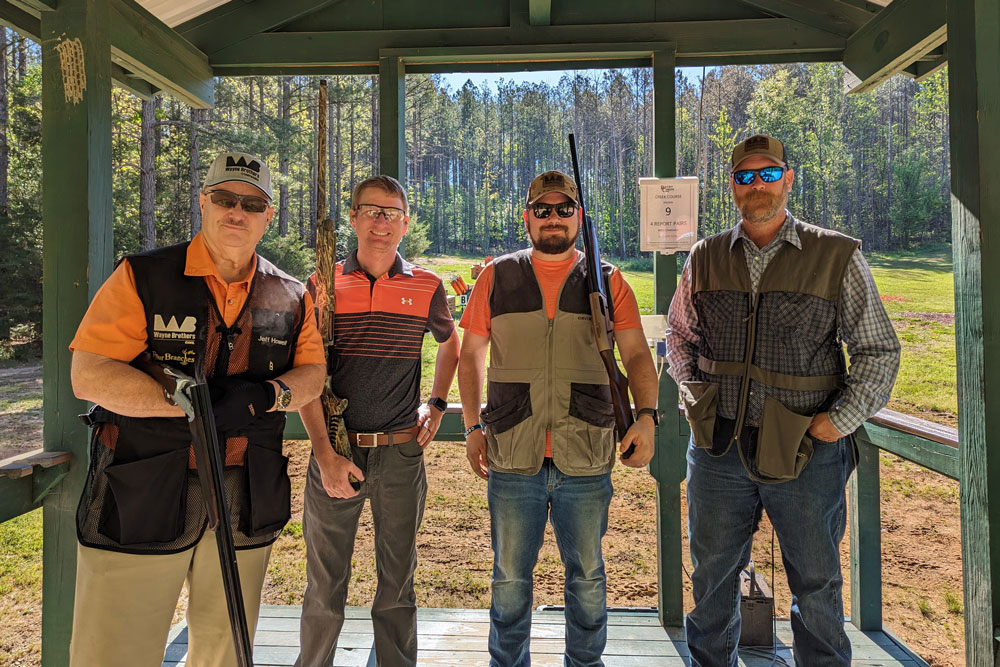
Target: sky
{"x": 456, "y": 81}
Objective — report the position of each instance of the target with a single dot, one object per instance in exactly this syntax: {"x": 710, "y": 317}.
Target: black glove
{"x": 240, "y": 402}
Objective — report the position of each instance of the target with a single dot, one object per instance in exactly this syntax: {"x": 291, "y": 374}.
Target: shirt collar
{"x": 198, "y": 261}
{"x": 786, "y": 232}
{"x": 400, "y": 265}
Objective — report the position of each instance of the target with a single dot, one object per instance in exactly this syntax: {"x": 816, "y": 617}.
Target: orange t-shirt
{"x": 550, "y": 276}
{"x": 114, "y": 325}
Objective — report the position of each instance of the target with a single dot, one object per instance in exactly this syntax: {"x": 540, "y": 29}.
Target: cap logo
{"x": 241, "y": 164}
{"x": 552, "y": 179}
{"x": 755, "y": 143}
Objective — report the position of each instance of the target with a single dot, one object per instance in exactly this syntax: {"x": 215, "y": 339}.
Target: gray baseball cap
{"x": 240, "y": 167}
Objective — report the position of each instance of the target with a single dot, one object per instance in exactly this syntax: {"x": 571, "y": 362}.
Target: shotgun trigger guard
{"x": 180, "y": 395}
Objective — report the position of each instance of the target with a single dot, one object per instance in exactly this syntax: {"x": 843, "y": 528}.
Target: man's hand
{"x": 475, "y": 451}
{"x": 823, "y": 429}
{"x": 334, "y": 472}
{"x": 428, "y": 421}
{"x": 240, "y": 402}
{"x": 642, "y": 435}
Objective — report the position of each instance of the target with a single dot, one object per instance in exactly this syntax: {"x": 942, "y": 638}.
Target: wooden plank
{"x": 38, "y": 6}
{"x": 392, "y": 118}
{"x": 77, "y": 237}
{"x": 866, "y": 539}
{"x": 898, "y": 35}
{"x": 132, "y": 83}
{"x": 710, "y": 39}
{"x": 16, "y": 497}
{"x": 540, "y": 12}
{"x": 144, "y": 45}
{"x": 829, "y": 15}
{"x": 938, "y": 457}
{"x": 20, "y": 21}
{"x": 233, "y": 22}
{"x": 974, "y": 87}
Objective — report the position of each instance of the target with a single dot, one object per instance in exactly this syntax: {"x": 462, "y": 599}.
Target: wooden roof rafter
{"x": 832, "y": 16}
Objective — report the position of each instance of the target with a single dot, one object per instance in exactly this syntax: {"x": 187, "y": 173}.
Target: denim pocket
{"x": 148, "y": 499}
{"x": 783, "y": 446}
{"x": 700, "y": 402}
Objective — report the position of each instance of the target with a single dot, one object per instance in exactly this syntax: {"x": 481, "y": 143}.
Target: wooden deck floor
{"x": 458, "y": 637}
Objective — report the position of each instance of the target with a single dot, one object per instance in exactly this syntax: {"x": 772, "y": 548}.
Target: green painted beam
{"x": 540, "y": 12}
{"x": 974, "y": 106}
{"x": 667, "y": 466}
{"x": 897, "y": 36}
{"x": 936, "y": 456}
{"x": 392, "y": 118}
{"x": 828, "y": 15}
{"x": 133, "y": 84}
{"x": 79, "y": 254}
{"x": 866, "y": 538}
{"x": 144, "y": 45}
{"x": 17, "y": 497}
{"x": 38, "y": 6}
{"x": 705, "y": 39}
{"x": 235, "y": 21}
{"x": 20, "y": 21}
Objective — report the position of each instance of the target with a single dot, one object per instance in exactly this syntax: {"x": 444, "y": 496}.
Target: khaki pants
{"x": 125, "y": 603}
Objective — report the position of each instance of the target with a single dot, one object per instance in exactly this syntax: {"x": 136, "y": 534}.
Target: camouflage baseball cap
{"x": 760, "y": 144}
{"x": 240, "y": 167}
{"x": 551, "y": 181}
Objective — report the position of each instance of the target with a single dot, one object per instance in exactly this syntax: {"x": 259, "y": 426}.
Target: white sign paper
{"x": 668, "y": 213}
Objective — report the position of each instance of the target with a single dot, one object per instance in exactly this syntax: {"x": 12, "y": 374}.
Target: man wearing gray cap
{"x": 211, "y": 306}
{"x": 755, "y": 340}
{"x": 546, "y": 440}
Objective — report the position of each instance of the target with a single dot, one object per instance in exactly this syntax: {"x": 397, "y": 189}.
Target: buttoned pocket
{"x": 700, "y": 402}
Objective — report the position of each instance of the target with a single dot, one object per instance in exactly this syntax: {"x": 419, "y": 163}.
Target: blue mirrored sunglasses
{"x": 767, "y": 174}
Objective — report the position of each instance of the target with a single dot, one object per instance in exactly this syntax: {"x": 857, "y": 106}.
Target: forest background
{"x": 874, "y": 165}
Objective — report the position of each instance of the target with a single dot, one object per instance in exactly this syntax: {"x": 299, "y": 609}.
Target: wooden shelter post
{"x": 667, "y": 467}
{"x": 77, "y": 235}
{"x": 974, "y": 82}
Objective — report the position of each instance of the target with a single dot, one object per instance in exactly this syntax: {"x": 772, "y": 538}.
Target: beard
{"x": 761, "y": 206}
{"x": 554, "y": 244}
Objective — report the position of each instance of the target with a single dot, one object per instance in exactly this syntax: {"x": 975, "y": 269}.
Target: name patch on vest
{"x": 271, "y": 340}
{"x": 171, "y": 330}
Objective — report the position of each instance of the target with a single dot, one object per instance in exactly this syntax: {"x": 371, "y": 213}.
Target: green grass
{"x": 21, "y": 557}
{"x": 953, "y": 601}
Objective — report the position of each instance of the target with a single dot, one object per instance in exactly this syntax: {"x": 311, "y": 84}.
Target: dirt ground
{"x": 921, "y": 546}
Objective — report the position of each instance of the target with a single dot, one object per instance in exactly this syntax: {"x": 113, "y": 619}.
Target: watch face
{"x": 438, "y": 403}
{"x": 284, "y": 398}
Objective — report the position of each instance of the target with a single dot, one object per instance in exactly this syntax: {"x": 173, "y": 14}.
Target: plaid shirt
{"x": 864, "y": 326}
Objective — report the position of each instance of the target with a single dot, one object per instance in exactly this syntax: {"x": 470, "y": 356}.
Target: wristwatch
{"x": 284, "y": 397}
{"x": 438, "y": 403}
{"x": 651, "y": 412}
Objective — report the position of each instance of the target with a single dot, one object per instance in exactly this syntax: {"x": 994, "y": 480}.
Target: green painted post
{"x": 392, "y": 121}
{"x": 667, "y": 467}
{"x": 78, "y": 255}
{"x": 974, "y": 100}
{"x": 866, "y": 538}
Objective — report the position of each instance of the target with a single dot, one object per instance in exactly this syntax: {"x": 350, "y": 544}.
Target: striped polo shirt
{"x": 379, "y": 328}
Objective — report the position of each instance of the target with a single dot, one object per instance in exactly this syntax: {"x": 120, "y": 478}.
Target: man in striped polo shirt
{"x": 384, "y": 305}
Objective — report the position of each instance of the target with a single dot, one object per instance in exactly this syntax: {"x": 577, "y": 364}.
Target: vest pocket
{"x": 269, "y": 492}
{"x": 700, "y": 402}
{"x": 783, "y": 448}
{"x": 148, "y": 499}
{"x": 591, "y": 404}
{"x": 513, "y": 407}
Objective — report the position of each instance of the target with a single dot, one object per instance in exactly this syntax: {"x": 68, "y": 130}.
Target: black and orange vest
{"x": 141, "y": 494}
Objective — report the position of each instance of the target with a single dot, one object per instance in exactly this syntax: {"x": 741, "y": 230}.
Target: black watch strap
{"x": 438, "y": 403}
{"x": 651, "y": 412}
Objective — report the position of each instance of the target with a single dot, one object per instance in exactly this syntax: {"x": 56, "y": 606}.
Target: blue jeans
{"x": 578, "y": 509}
{"x": 808, "y": 515}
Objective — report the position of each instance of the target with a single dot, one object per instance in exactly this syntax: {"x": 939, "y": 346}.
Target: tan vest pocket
{"x": 783, "y": 447}
{"x": 590, "y": 435}
{"x": 700, "y": 400}
{"x": 506, "y": 423}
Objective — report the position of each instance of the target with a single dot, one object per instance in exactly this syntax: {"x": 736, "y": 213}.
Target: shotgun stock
{"x": 192, "y": 396}
{"x": 600, "y": 316}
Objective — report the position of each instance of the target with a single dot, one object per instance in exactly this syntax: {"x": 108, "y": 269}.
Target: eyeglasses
{"x": 564, "y": 210}
{"x": 250, "y": 203}
{"x": 390, "y": 213}
{"x": 767, "y": 174}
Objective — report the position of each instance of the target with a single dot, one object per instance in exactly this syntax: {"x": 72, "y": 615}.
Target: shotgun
{"x": 600, "y": 316}
{"x": 326, "y": 266}
{"x": 192, "y": 396}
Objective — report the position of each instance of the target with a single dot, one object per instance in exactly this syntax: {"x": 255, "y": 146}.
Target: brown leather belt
{"x": 382, "y": 437}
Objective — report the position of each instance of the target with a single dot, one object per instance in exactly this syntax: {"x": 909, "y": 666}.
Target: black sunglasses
{"x": 564, "y": 210}
{"x": 226, "y": 199}
{"x": 767, "y": 174}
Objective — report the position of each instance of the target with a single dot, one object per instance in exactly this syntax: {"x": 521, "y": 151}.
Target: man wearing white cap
{"x": 546, "y": 440}
{"x": 214, "y": 307}
{"x": 755, "y": 343}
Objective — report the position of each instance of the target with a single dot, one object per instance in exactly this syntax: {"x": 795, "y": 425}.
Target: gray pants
{"x": 396, "y": 484}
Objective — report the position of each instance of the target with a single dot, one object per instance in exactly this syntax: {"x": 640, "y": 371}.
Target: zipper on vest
{"x": 549, "y": 373}
{"x": 747, "y": 358}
